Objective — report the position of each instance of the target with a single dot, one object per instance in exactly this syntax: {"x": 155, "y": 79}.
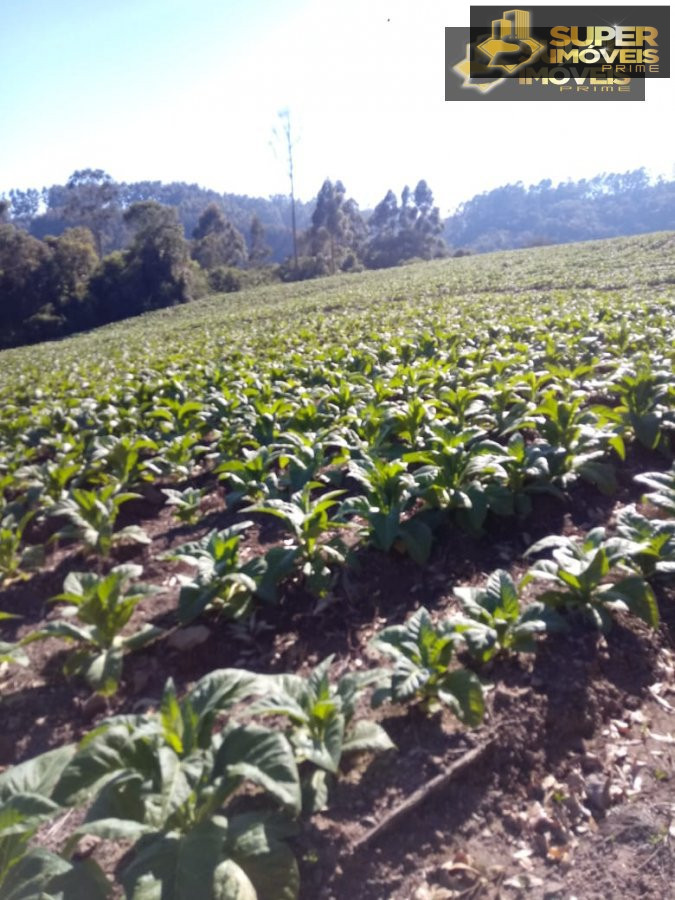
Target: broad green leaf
{"x": 200, "y": 852}
{"x": 365, "y": 735}
{"x": 315, "y": 792}
{"x": 113, "y": 829}
{"x": 570, "y": 579}
{"x": 263, "y": 757}
{"x": 23, "y": 812}
{"x": 171, "y": 717}
{"x": 105, "y": 671}
{"x": 327, "y": 752}
{"x": 502, "y": 595}
{"x": 600, "y": 474}
{"x": 175, "y": 787}
{"x": 220, "y": 690}
{"x": 144, "y": 636}
{"x": 109, "y": 750}
{"x": 408, "y": 679}
{"x": 646, "y": 428}
{"x": 417, "y": 538}
{"x": 230, "y": 882}
{"x": 151, "y": 874}
{"x": 39, "y": 775}
{"x": 595, "y": 572}
{"x": 258, "y": 844}
{"x": 463, "y": 692}
{"x": 42, "y": 874}
{"x": 638, "y": 597}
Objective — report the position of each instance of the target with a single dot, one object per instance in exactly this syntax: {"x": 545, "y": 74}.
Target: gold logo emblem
{"x": 508, "y": 49}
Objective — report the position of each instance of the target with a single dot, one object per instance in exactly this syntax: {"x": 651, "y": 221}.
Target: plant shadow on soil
{"x": 541, "y": 711}
{"x": 541, "y": 716}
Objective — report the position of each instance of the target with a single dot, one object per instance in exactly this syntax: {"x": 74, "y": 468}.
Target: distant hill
{"x": 609, "y": 205}
{"x": 42, "y": 212}
{"x": 507, "y": 217}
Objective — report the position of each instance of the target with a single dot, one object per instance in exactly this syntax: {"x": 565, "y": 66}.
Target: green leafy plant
{"x": 649, "y": 544}
{"x": 308, "y": 521}
{"x": 26, "y": 803}
{"x": 321, "y": 715}
{"x": 12, "y": 653}
{"x": 177, "y": 414}
{"x": 304, "y": 458}
{"x": 577, "y": 441}
{"x": 177, "y": 456}
{"x": 409, "y": 421}
{"x": 496, "y": 623}
{"x": 222, "y": 582}
{"x": 121, "y": 460}
{"x": 463, "y": 472}
{"x": 92, "y": 516}
{"x": 98, "y": 609}
{"x": 643, "y": 393}
{"x": 17, "y": 558}
{"x": 579, "y": 574}
{"x": 186, "y": 503}
{"x": 251, "y": 478}
{"x": 528, "y": 473}
{"x": 662, "y": 494}
{"x": 166, "y": 781}
{"x": 507, "y": 412}
{"x": 459, "y": 406}
{"x": 54, "y": 476}
{"x": 423, "y": 653}
{"x": 388, "y": 492}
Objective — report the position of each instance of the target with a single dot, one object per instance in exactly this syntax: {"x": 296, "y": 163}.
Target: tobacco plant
{"x": 251, "y": 478}
{"x": 495, "y": 621}
{"x": 308, "y": 521}
{"x": 92, "y": 516}
{"x": 422, "y": 654}
{"x": 580, "y": 577}
{"x": 186, "y": 504}
{"x": 98, "y": 609}
{"x": 321, "y": 717}
{"x": 223, "y": 582}
{"x": 648, "y": 544}
{"x": 662, "y": 494}
{"x": 388, "y": 492}
{"x": 17, "y": 558}
{"x": 26, "y": 803}
{"x": 167, "y": 781}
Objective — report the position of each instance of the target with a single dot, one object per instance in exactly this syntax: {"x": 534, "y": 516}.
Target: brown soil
{"x": 574, "y": 796}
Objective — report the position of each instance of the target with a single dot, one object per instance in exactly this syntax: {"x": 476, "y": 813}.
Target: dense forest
{"x": 609, "y": 205}
{"x": 94, "y": 250}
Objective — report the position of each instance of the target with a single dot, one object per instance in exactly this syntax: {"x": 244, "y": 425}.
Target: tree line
{"x": 94, "y": 250}
{"x": 609, "y": 205}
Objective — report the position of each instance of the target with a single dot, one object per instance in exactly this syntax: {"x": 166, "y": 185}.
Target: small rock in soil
{"x": 86, "y": 846}
{"x": 597, "y": 792}
{"x": 93, "y": 705}
{"x": 188, "y": 638}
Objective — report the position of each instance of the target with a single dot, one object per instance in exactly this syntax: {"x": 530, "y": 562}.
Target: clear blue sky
{"x": 189, "y": 90}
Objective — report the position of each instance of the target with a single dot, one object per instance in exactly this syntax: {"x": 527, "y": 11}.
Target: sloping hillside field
{"x": 357, "y": 588}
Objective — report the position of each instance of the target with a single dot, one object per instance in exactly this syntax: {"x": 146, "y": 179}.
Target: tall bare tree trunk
{"x": 285, "y": 117}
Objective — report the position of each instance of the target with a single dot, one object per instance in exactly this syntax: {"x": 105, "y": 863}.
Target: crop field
{"x": 361, "y": 587}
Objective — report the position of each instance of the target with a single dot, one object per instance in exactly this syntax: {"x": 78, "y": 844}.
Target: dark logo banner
{"x": 557, "y": 53}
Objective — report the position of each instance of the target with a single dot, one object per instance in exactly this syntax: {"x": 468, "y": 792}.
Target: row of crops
{"x": 388, "y": 412}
